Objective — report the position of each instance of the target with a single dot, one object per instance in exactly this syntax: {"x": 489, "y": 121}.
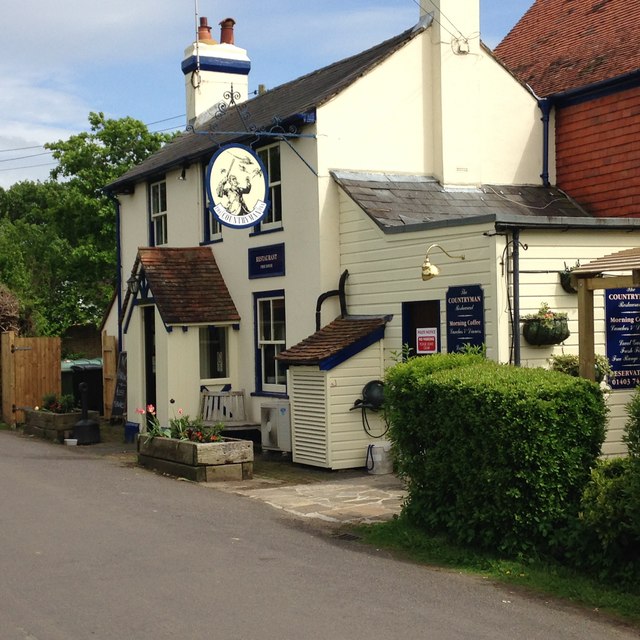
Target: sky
{"x": 61, "y": 60}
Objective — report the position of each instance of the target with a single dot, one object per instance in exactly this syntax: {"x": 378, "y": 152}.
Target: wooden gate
{"x": 109, "y": 371}
{"x": 30, "y": 370}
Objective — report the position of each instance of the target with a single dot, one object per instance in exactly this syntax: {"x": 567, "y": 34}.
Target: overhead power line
{"x": 41, "y": 146}
{"x": 29, "y": 166}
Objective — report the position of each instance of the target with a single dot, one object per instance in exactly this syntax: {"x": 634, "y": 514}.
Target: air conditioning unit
{"x": 275, "y": 425}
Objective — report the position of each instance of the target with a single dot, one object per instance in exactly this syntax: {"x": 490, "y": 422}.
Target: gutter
{"x": 595, "y": 90}
{"x": 577, "y": 96}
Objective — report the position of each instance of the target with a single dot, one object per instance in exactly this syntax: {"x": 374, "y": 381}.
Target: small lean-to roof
{"x": 559, "y": 45}
{"x": 398, "y": 203}
{"x": 294, "y": 101}
{"x": 187, "y": 286}
{"x": 336, "y": 342}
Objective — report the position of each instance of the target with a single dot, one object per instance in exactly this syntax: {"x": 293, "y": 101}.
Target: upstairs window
{"x": 158, "y": 207}
{"x": 212, "y": 228}
{"x": 270, "y": 157}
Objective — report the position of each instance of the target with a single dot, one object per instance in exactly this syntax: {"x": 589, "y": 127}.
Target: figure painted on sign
{"x": 232, "y": 189}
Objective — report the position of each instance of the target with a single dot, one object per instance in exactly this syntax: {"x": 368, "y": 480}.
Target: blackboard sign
{"x": 622, "y": 308}
{"x": 465, "y": 317}
{"x": 119, "y": 406}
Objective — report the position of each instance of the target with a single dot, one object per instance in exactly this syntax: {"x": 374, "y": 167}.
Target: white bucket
{"x": 379, "y": 459}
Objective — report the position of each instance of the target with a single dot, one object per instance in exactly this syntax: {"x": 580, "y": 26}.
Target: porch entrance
{"x": 150, "y": 354}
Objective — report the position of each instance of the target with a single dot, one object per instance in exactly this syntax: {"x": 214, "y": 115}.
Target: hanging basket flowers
{"x": 545, "y": 327}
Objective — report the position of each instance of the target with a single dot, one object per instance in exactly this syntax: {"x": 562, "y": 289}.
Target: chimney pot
{"x": 226, "y": 31}
{"x": 204, "y": 30}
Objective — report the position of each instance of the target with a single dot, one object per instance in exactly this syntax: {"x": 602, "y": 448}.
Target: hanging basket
{"x": 565, "y": 281}
{"x": 543, "y": 332}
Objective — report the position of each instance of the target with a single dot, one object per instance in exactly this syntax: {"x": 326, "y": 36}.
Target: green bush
{"x": 608, "y": 529}
{"x": 494, "y": 456}
{"x": 569, "y": 363}
{"x": 632, "y": 428}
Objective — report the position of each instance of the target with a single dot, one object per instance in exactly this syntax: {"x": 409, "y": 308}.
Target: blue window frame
{"x": 270, "y": 340}
{"x": 158, "y": 232}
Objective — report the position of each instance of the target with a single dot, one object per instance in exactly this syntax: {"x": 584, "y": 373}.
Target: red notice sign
{"x": 426, "y": 340}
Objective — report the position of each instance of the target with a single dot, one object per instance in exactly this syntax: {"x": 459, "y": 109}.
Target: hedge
{"x": 494, "y": 456}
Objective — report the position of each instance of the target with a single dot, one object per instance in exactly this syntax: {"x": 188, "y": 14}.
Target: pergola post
{"x": 586, "y": 341}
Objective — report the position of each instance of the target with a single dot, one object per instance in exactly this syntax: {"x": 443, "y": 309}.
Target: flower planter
{"x": 53, "y": 426}
{"x": 544, "y": 332}
{"x": 229, "y": 459}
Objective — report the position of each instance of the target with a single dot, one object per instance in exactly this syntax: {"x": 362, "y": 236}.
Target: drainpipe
{"x": 340, "y": 292}
{"x": 116, "y": 204}
{"x": 545, "y": 106}
{"x": 515, "y": 239}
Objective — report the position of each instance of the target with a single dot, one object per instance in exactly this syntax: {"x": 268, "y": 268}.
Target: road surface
{"x": 92, "y": 548}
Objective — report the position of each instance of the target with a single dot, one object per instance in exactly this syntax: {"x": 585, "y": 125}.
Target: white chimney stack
{"x": 210, "y": 68}
{"x": 456, "y": 60}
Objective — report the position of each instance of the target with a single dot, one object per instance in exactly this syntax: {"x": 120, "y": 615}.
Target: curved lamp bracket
{"x": 430, "y": 270}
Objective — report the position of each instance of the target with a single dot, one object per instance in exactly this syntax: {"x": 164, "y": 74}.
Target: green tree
{"x": 58, "y": 237}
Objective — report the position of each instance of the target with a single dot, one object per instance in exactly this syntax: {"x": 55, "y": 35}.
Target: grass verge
{"x": 542, "y": 578}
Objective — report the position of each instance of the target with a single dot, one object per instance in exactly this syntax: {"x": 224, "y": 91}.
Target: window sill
{"x": 270, "y": 394}
{"x": 263, "y": 232}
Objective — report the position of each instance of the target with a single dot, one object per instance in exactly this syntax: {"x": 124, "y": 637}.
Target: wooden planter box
{"x": 53, "y": 426}
{"x": 229, "y": 459}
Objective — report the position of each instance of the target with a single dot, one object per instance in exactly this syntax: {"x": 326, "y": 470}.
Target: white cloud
{"x": 59, "y": 60}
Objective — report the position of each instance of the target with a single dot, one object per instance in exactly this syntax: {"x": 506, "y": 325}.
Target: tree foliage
{"x": 58, "y": 237}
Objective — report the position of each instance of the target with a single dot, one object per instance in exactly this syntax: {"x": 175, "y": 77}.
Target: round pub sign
{"x": 236, "y": 183}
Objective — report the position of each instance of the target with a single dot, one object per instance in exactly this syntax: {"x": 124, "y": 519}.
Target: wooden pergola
{"x": 603, "y": 273}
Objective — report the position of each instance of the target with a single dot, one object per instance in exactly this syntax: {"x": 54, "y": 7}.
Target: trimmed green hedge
{"x": 606, "y": 538}
{"x": 494, "y": 456}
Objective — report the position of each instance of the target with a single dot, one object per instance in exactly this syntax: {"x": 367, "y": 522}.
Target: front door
{"x": 150, "y": 355}
{"x": 421, "y": 327}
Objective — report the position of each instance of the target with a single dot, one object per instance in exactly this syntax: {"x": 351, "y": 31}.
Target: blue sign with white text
{"x": 465, "y": 317}
{"x": 266, "y": 262}
{"x": 622, "y": 307}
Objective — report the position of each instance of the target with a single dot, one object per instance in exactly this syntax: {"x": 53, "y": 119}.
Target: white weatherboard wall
{"x": 325, "y": 432}
{"x": 348, "y": 440}
{"x": 384, "y": 272}
{"x": 547, "y": 254}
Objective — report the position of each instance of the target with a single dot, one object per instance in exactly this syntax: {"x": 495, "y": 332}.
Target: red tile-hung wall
{"x": 598, "y": 154}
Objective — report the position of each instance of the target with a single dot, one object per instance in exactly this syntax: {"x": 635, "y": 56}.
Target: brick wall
{"x": 598, "y": 154}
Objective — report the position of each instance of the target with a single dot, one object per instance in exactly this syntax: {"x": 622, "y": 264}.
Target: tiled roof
{"x": 406, "y": 202}
{"x": 568, "y": 44}
{"x": 287, "y": 102}
{"x": 337, "y": 341}
{"x": 187, "y": 285}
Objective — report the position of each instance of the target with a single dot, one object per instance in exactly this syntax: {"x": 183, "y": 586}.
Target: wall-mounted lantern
{"x": 430, "y": 270}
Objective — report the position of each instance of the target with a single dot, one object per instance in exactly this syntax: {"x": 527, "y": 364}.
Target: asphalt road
{"x": 94, "y": 549}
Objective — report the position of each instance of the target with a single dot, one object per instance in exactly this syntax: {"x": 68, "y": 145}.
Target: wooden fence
{"x": 30, "y": 370}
